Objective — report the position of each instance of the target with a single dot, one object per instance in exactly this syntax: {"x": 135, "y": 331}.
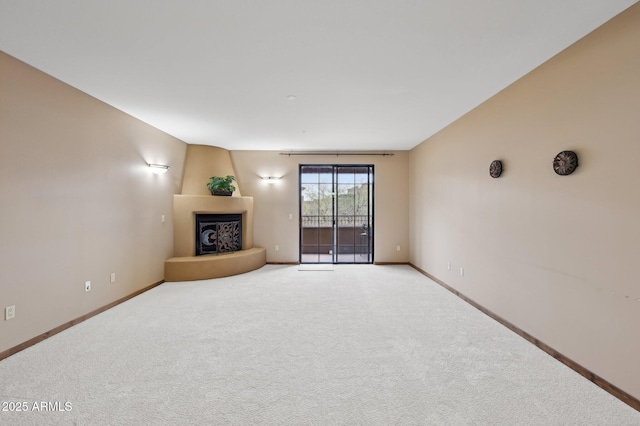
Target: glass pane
{"x": 345, "y": 258}
{"x": 310, "y": 239}
{"x": 325, "y": 250}
{"x": 361, "y": 202}
{"x": 309, "y": 200}
{"x": 324, "y": 196}
{"x": 362, "y": 175}
{"x": 346, "y": 177}
{"x": 326, "y": 177}
{"x": 346, "y": 200}
{"x": 316, "y": 174}
{"x": 309, "y": 178}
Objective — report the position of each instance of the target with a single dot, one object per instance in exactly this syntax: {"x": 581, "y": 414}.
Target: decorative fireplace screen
{"x": 218, "y": 233}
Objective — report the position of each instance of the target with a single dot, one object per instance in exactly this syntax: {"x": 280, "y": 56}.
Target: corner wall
{"x": 77, "y": 202}
{"x": 202, "y": 162}
{"x": 554, "y": 255}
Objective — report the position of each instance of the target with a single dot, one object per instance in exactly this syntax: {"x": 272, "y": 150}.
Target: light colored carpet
{"x": 364, "y": 345}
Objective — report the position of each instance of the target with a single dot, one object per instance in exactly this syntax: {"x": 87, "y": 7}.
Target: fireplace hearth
{"x": 218, "y": 233}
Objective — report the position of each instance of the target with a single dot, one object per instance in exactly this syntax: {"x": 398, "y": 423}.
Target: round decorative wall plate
{"x": 565, "y": 163}
{"x": 495, "y": 169}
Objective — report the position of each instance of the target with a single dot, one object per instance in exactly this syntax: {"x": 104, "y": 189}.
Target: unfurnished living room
{"x": 408, "y": 212}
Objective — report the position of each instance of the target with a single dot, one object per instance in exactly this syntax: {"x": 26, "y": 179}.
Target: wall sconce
{"x": 270, "y": 179}
{"x": 158, "y": 169}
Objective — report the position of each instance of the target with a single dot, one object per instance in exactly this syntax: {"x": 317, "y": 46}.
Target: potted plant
{"x": 221, "y": 185}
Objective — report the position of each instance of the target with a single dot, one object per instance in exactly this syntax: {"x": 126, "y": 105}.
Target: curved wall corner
{"x": 202, "y": 162}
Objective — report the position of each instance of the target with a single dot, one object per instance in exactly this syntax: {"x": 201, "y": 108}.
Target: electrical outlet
{"x": 290, "y": 216}
{"x": 9, "y": 312}
{"x": 462, "y": 272}
{"x": 163, "y": 219}
{"x": 277, "y": 248}
{"x": 87, "y": 286}
{"x": 113, "y": 277}
{"x": 448, "y": 266}
{"x": 397, "y": 248}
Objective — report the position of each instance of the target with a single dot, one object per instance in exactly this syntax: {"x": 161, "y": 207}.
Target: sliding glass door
{"x": 336, "y": 213}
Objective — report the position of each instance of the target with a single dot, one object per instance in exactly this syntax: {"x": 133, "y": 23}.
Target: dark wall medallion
{"x": 495, "y": 169}
{"x": 565, "y": 163}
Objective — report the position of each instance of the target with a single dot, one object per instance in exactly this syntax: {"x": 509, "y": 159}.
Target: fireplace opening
{"x": 218, "y": 233}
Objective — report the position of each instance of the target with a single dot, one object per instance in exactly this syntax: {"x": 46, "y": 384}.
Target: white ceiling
{"x": 366, "y": 74}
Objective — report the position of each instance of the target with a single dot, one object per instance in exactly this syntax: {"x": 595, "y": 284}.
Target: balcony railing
{"x": 321, "y": 221}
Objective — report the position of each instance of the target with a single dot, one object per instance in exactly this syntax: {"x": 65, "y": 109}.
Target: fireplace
{"x": 218, "y": 233}
{"x": 189, "y": 236}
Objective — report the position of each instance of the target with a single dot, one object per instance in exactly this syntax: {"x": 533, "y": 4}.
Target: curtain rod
{"x": 337, "y": 154}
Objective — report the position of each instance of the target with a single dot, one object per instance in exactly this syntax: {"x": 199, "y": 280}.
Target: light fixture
{"x": 158, "y": 169}
{"x": 271, "y": 179}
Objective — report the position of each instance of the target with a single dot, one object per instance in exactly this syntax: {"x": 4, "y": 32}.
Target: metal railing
{"x": 320, "y": 220}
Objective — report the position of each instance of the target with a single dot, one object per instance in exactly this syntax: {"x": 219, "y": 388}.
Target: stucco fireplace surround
{"x": 185, "y": 265}
{"x": 201, "y": 162}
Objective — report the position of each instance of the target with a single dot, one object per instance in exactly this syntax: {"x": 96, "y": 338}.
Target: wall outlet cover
{"x": 9, "y": 312}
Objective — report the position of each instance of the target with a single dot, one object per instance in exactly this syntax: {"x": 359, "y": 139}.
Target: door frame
{"x": 335, "y": 215}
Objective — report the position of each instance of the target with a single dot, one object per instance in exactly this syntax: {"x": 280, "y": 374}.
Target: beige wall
{"x": 554, "y": 255}
{"x": 202, "y": 162}
{"x": 77, "y": 202}
{"x": 274, "y": 202}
